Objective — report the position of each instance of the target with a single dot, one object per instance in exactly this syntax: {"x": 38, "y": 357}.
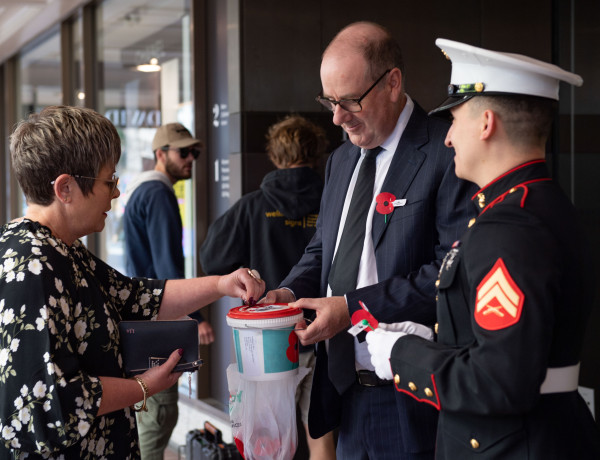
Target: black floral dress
{"x": 59, "y": 310}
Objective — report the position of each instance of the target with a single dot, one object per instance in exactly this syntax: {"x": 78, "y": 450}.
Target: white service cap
{"x": 477, "y": 71}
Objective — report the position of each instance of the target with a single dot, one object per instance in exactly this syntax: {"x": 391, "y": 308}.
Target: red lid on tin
{"x": 263, "y": 311}
{"x": 264, "y": 316}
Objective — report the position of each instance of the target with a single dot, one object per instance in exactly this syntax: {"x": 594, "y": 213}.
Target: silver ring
{"x": 254, "y": 274}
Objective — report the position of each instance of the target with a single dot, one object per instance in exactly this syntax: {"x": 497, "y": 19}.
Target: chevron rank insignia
{"x": 499, "y": 299}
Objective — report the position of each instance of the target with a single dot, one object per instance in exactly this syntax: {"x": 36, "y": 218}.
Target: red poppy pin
{"x": 386, "y": 202}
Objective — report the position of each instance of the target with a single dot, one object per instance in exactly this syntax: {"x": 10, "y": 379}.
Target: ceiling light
{"x": 151, "y": 67}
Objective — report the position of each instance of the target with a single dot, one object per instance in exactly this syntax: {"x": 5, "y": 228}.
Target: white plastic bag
{"x": 263, "y": 415}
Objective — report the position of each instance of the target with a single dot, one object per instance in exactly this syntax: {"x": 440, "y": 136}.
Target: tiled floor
{"x": 171, "y": 454}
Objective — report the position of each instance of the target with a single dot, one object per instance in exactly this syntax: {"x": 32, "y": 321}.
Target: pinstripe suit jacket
{"x": 409, "y": 248}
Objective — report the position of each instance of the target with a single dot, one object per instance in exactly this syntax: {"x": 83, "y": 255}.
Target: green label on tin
{"x": 238, "y": 351}
{"x": 280, "y": 350}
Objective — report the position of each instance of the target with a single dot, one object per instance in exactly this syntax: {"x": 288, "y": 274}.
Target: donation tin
{"x": 266, "y": 345}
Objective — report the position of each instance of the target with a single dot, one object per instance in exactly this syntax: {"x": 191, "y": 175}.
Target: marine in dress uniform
{"x": 514, "y": 293}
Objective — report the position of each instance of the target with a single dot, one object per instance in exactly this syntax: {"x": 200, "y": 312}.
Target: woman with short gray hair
{"x": 63, "y": 391}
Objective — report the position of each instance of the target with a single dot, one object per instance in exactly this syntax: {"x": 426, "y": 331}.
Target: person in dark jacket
{"x": 269, "y": 228}
{"x": 153, "y": 245}
{"x": 391, "y": 209}
{"x": 515, "y": 292}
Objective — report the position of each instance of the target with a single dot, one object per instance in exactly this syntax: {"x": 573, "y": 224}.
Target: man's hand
{"x": 206, "y": 335}
{"x": 409, "y": 327}
{"x": 278, "y": 296}
{"x": 241, "y": 283}
{"x": 380, "y": 343}
{"x": 332, "y": 317}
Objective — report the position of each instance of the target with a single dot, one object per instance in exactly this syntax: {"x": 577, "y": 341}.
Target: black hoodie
{"x": 267, "y": 229}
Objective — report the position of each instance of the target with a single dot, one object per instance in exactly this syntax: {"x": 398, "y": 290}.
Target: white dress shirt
{"x": 367, "y": 270}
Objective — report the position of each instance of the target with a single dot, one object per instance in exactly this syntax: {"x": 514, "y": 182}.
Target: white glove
{"x": 380, "y": 343}
{"x": 409, "y": 328}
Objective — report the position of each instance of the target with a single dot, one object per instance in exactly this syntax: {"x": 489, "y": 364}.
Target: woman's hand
{"x": 183, "y": 296}
{"x": 162, "y": 377}
{"x": 244, "y": 283}
{"x": 118, "y": 393}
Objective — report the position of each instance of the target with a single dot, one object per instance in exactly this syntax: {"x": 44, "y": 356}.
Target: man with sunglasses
{"x": 153, "y": 246}
{"x": 384, "y": 249}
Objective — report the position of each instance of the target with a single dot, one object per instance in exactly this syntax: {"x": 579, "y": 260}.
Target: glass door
{"x": 144, "y": 52}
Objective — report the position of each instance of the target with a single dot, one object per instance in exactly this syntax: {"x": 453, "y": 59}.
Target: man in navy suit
{"x": 417, "y": 209}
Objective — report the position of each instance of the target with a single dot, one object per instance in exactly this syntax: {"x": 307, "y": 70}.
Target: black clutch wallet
{"x": 147, "y": 344}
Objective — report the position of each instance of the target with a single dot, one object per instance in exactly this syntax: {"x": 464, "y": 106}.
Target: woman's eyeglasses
{"x": 113, "y": 181}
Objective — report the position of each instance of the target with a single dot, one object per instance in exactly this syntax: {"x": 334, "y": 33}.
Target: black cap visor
{"x": 452, "y": 101}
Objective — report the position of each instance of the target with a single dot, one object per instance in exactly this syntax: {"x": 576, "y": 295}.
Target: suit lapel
{"x": 338, "y": 184}
{"x": 405, "y": 165}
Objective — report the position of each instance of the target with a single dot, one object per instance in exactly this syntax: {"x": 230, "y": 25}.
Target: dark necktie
{"x": 344, "y": 269}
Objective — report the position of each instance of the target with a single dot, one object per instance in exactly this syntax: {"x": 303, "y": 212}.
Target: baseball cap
{"x": 174, "y": 135}
{"x": 481, "y": 72}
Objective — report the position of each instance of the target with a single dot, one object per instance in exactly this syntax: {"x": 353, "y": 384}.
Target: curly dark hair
{"x": 295, "y": 141}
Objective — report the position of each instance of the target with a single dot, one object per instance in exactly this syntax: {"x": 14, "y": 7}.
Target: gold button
{"x": 512, "y": 190}
{"x": 437, "y": 283}
{"x": 481, "y": 200}
{"x": 474, "y": 443}
{"x": 471, "y": 222}
{"x": 435, "y": 328}
{"x": 412, "y": 386}
{"x": 428, "y": 392}
{"x": 397, "y": 379}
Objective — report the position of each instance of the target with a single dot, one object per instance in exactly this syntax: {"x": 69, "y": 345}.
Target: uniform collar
{"x": 525, "y": 173}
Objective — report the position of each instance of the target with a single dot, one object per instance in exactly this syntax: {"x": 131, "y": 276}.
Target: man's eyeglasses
{"x": 350, "y": 105}
{"x": 184, "y": 151}
{"x": 113, "y": 181}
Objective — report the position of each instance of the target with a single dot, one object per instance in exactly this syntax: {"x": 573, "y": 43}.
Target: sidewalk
{"x": 171, "y": 454}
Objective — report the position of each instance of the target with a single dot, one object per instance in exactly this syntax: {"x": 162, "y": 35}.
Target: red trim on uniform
{"x": 435, "y": 390}
{"x": 525, "y": 192}
{"x": 428, "y": 401}
{"x": 506, "y": 174}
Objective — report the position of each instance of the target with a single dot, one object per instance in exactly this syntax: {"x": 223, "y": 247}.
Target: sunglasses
{"x": 184, "y": 151}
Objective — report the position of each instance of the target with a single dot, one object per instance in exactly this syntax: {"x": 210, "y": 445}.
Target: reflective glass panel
{"x": 145, "y": 55}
